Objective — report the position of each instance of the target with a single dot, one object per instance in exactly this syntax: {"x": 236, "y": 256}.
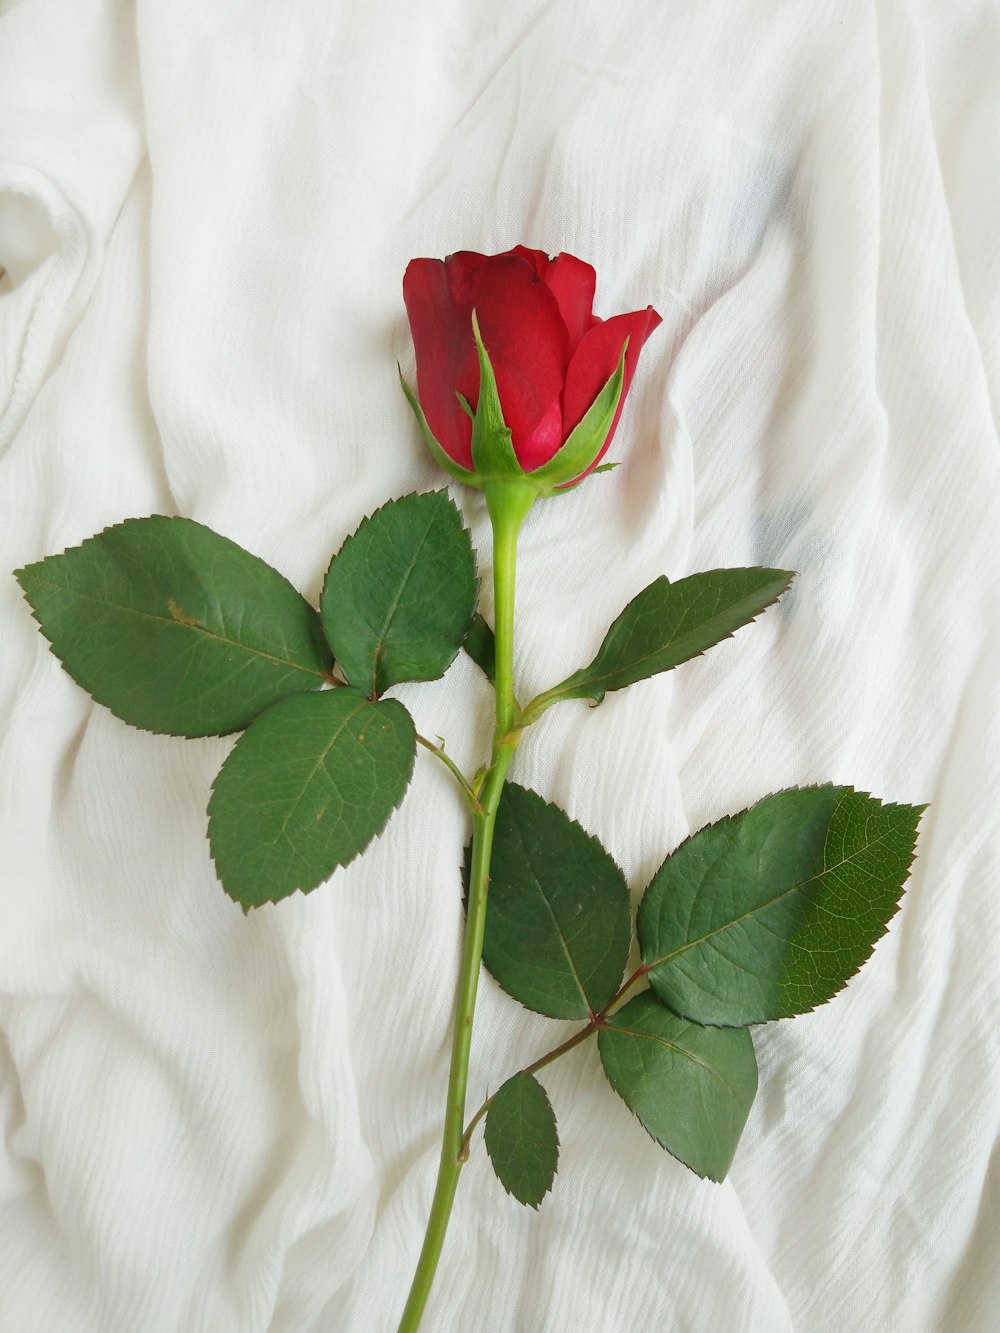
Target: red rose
{"x": 550, "y": 353}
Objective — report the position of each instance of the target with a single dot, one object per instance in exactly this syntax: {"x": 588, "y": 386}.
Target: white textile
{"x": 220, "y": 1124}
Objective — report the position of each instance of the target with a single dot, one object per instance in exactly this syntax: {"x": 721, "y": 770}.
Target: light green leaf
{"x": 521, "y": 1139}
{"x": 768, "y": 913}
{"x": 669, "y": 623}
{"x": 400, "y": 594}
{"x": 305, "y": 790}
{"x": 558, "y": 922}
{"x": 690, "y": 1087}
{"x": 175, "y": 628}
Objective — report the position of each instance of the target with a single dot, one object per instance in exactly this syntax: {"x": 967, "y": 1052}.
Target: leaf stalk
{"x": 596, "y": 1022}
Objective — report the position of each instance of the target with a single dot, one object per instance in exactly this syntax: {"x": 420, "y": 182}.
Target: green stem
{"x": 508, "y": 504}
{"x": 533, "y": 711}
{"x": 452, "y": 768}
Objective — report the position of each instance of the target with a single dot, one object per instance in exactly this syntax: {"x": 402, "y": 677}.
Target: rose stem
{"x": 508, "y": 504}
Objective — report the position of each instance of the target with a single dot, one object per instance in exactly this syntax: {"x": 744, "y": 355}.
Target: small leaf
{"x": 401, "y": 593}
{"x": 481, "y": 646}
{"x": 558, "y": 922}
{"x": 305, "y": 790}
{"x": 521, "y": 1139}
{"x": 669, "y": 623}
{"x": 175, "y": 628}
{"x": 768, "y": 913}
{"x": 690, "y": 1087}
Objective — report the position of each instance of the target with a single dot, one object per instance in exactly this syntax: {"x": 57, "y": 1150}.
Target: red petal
{"x": 538, "y": 259}
{"x": 545, "y": 440}
{"x": 522, "y": 330}
{"x": 595, "y": 362}
{"x": 572, "y": 283}
{"x": 446, "y": 355}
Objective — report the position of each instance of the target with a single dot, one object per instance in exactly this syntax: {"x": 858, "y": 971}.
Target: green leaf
{"x": 400, "y": 594}
{"x": 690, "y": 1087}
{"x": 769, "y": 912}
{"x": 558, "y": 922}
{"x": 175, "y": 628}
{"x": 587, "y": 439}
{"x": 481, "y": 646}
{"x": 521, "y": 1139}
{"x": 669, "y": 623}
{"x": 305, "y": 790}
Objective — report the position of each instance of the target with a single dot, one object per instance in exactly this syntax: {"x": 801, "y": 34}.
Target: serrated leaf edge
{"x": 368, "y": 518}
{"x": 555, "y": 1133}
{"x": 727, "y": 819}
{"x": 156, "y": 731}
{"x": 557, "y": 691}
{"x": 247, "y": 908}
{"x": 702, "y": 1175}
{"x": 593, "y": 838}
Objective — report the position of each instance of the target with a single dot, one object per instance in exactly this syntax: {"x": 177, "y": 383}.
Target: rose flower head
{"x": 516, "y": 376}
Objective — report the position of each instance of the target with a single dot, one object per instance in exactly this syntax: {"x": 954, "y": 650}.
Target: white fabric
{"x": 226, "y": 1124}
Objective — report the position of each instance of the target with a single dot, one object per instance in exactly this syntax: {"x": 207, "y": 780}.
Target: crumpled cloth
{"x": 226, "y": 1124}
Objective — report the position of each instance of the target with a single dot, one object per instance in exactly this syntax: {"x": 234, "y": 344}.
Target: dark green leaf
{"x": 400, "y": 594}
{"x": 175, "y": 628}
{"x": 521, "y": 1139}
{"x": 558, "y": 923}
{"x": 305, "y": 790}
{"x": 669, "y": 623}
{"x": 691, "y": 1087}
{"x": 769, "y": 912}
{"x": 481, "y": 646}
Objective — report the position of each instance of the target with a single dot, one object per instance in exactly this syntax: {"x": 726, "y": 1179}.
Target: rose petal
{"x": 538, "y": 259}
{"x": 595, "y": 362}
{"x": 572, "y": 283}
{"x": 446, "y": 355}
{"x": 522, "y": 331}
{"x": 545, "y": 440}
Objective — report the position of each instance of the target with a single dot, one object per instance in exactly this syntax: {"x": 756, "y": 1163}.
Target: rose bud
{"x": 517, "y": 378}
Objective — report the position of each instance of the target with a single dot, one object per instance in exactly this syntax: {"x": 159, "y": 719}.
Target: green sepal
{"x": 453, "y": 469}
{"x": 587, "y": 439}
{"x": 493, "y": 454}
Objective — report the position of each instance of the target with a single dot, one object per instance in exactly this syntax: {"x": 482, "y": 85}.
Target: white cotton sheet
{"x": 219, "y": 1124}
